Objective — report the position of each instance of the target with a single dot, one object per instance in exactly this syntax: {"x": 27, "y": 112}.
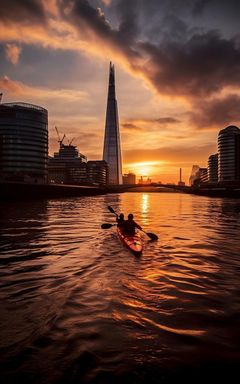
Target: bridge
{"x": 153, "y": 187}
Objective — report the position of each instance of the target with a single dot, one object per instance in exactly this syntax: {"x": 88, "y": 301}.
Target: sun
{"x": 143, "y": 168}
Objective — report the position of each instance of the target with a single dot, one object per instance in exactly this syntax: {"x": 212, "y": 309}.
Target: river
{"x": 77, "y": 307}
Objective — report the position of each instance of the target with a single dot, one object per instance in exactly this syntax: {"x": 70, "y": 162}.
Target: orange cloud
{"x": 12, "y": 52}
{"x": 19, "y": 89}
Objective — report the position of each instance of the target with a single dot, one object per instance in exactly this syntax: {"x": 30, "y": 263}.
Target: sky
{"x": 177, "y": 70}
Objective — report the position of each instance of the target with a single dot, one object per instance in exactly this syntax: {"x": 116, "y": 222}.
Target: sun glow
{"x": 144, "y": 168}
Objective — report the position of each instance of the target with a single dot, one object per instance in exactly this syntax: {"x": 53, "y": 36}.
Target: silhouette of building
{"x": 181, "y": 183}
{"x": 23, "y": 142}
{"x": 229, "y": 155}
{"x": 142, "y": 180}
{"x": 213, "y": 168}
{"x": 198, "y": 176}
{"x": 97, "y": 172}
{"x": 68, "y": 166}
{"x": 129, "y": 178}
{"x": 112, "y": 147}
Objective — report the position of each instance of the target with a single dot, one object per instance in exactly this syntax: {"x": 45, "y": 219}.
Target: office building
{"x": 67, "y": 166}
{"x": 198, "y": 176}
{"x": 129, "y": 178}
{"x": 213, "y": 168}
{"x": 112, "y": 147}
{"x": 229, "y": 155}
{"x": 23, "y": 142}
{"x": 97, "y": 172}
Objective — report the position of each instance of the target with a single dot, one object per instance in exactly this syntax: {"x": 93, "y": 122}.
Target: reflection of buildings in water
{"x": 23, "y": 222}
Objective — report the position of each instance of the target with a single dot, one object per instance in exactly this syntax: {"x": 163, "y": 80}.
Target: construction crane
{"x": 59, "y": 140}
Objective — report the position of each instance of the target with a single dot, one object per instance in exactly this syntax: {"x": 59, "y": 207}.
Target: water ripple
{"x": 70, "y": 290}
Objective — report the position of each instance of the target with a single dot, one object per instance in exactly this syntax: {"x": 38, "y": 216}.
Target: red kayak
{"x": 133, "y": 242}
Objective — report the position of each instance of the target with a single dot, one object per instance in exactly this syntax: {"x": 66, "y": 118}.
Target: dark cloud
{"x": 199, "y": 6}
{"x": 217, "y": 113}
{"x": 183, "y": 62}
{"x": 23, "y": 11}
{"x": 203, "y": 65}
{"x": 167, "y": 120}
{"x": 131, "y": 126}
{"x": 128, "y": 14}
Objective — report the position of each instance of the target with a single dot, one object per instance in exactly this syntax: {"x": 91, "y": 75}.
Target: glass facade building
{"x": 213, "y": 168}
{"x": 112, "y": 147}
{"x": 228, "y": 155}
{"x": 23, "y": 142}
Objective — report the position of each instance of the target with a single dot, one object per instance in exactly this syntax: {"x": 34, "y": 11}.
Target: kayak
{"x": 133, "y": 242}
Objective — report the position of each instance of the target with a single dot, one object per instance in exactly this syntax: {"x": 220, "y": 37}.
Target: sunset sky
{"x": 177, "y": 66}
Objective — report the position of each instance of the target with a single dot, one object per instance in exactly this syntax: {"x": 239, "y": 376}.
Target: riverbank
{"x": 215, "y": 192}
{"x": 22, "y": 191}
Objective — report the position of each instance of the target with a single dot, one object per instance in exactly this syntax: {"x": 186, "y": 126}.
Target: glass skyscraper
{"x": 112, "y": 147}
{"x": 23, "y": 142}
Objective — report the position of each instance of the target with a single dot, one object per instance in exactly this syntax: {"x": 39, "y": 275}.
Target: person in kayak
{"x": 120, "y": 220}
{"x": 130, "y": 225}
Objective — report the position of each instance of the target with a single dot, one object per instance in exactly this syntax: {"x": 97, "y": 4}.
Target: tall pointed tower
{"x": 112, "y": 147}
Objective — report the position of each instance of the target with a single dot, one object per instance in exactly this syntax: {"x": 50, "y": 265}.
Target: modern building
{"x": 97, "y": 172}
{"x": 112, "y": 147}
{"x": 198, "y": 176}
{"x": 213, "y": 168}
{"x": 129, "y": 178}
{"x": 23, "y": 142}
{"x": 68, "y": 166}
{"x": 229, "y": 155}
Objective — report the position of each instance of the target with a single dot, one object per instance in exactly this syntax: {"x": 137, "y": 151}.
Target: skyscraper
{"x": 229, "y": 155}
{"x": 112, "y": 147}
{"x": 23, "y": 142}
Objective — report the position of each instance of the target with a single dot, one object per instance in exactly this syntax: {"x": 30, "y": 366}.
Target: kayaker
{"x": 130, "y": 225}
{"x": 120, "y": 220}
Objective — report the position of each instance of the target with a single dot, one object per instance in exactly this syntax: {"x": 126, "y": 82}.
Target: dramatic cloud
{"x": 18, "y": 89}
{"x": 12, "y": 52}
{"x": 218, "y": 112}
{"x": 24, "y": 11}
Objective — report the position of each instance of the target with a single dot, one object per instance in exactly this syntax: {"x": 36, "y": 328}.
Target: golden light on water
{"x": 145, "y": 203}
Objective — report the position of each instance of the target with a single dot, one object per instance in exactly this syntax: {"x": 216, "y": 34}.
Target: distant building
{"x": 181, "y": 183}
{"x": 213, "y": 168}
{"x": 23, "y": 142}
{"x": 129, "y": 178}
{"x": 112, "y": 147}
{"x": 229, "y": 155}
{"x": 142, "y": 181}
{"x": 68, "y": 166}
{"x": 97, "y": 172}
{"x": 198, "y": 176}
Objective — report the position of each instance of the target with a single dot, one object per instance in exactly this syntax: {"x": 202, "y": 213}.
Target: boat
{"x": 133, "y": 242}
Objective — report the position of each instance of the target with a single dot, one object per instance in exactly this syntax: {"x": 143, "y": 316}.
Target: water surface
{"x": 77, "y": 307}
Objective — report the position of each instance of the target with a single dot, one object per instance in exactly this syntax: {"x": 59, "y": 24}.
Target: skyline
{"x": 178, "y": 74}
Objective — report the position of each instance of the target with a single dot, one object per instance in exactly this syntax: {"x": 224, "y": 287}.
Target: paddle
{"x": 149, "y": 234}
{"x": 107, "y": 226}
